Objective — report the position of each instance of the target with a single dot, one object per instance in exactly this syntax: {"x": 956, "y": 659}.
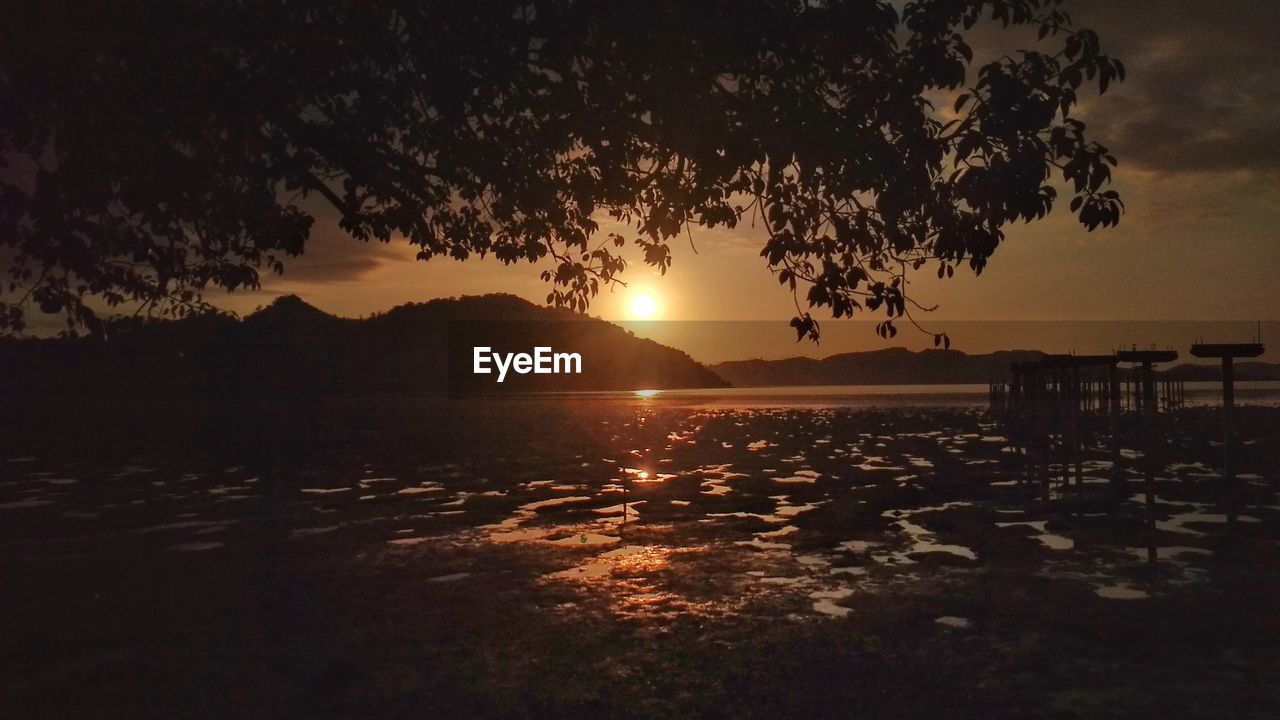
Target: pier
{"x": 1227, "y": 354}
{"x": 1058, "y": 406}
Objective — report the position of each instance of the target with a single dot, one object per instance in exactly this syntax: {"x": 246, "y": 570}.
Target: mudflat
{"x": 623, "y": 558}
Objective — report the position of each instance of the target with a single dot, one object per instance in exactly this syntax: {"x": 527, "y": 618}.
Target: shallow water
{"x": 673, "y": 526}
{"x": 1197, "y": 394}
{"x": 843, "y": 503}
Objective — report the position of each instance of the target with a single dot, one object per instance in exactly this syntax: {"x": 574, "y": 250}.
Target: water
{"x": 583, "y": 536}
{"x": 1198, "y": 394}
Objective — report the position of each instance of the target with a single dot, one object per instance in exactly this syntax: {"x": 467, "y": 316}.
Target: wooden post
{"x": 1228, "y": 473}
{"x": 1228, "y": 353}
{"x": 1116, "y": 475}
{"x": 1148, "y": 358}
{"x": 1075, "y": 426}
{"x": 1148, "y": 431}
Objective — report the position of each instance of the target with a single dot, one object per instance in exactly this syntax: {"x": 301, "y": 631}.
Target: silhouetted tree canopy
{"x": 177, "y": 146}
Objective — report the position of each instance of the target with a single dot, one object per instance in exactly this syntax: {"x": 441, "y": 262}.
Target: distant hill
{"x": 893, "y": 366}
{"x": 1247, "y": 370}
{"x": 294, "y": 349}
{"x": 897, "y": 366}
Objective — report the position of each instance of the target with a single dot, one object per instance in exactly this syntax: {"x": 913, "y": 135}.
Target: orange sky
{"x": 1194, "y": 128}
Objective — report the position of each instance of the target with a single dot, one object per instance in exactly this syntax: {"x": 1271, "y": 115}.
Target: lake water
{"x": 1198, "y": 394}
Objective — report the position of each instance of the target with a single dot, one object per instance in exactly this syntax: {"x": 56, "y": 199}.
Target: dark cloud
{"x": 1203, "y": 88}
{"x": 331, "y": 255}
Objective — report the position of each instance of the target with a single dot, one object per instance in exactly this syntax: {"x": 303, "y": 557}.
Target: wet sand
{"x": 624, "y": 558}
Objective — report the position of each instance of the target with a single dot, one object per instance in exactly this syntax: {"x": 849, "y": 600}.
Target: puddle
{"x": 1048, "y": 539}
{"x": 452, "y": 577}
{"x": 407, "y": 542}
{"x": 587, "y": 538}
{"x": 1178, "y": 523}
{"x": 922, "y": 541}
{"x": 553, "y": 502}
{"x": 825, "y": 602}
{"x": 19, "y": 504}
{"x": 1056, "y": 542}
{"x": 627, "y": 560}
{"x": 1121, "y": 592}
{"x": 195, "y": 546}
{"x": 307, "y": 532}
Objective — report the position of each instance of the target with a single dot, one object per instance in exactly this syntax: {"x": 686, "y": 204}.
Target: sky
{"x": 1196, "y": 128}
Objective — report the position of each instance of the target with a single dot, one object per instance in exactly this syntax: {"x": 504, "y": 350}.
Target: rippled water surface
{"x": 652, "y": 510}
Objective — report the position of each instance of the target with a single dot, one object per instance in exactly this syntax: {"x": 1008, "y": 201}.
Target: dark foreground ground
{"x": 408, "y": 559}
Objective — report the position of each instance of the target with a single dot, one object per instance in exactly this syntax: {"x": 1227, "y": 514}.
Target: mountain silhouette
{"x": 1244, "y": 371}
{"x": 892, "y": 366}
{"x": 896, "y": 366}
{"x": 291, "y": 348}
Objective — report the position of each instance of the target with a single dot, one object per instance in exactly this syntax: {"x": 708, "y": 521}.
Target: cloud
{"x": 331, "y": 255}
{"x": 1203, "y": 88}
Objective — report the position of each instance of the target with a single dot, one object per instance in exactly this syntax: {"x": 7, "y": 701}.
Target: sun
{"x": 644, "y": 305}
